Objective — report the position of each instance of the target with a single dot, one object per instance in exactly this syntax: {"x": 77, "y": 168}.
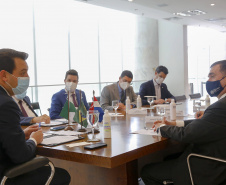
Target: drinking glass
{"x": 115, "y": 104}
{"x": 92, "y": 118}
{"x": 198, "y": 105}
{"x": 161, "y": 111}
{"x": 151, "y": 101}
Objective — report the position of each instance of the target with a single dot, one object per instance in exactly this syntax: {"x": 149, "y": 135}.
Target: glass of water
{"x": 115, "y": 104}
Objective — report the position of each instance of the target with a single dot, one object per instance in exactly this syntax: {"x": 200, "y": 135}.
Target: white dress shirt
{"x": 26, "y": 107}
{"x": 157, "y": 90}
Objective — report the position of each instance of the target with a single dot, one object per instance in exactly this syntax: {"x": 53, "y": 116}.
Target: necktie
{"x": 123, "y": 97}
{"x": 74, "y": 101}
{"x": 22, "y": 109}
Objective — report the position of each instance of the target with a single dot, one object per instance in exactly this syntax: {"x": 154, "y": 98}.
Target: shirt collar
{"x": 69, "y": 93}
{"x": 5, "y": 90}
{"x": 222, "y": 96}
{"x": 119, "y": 88}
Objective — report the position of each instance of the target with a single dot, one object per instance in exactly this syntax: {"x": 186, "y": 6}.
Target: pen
{"x": 39, "y": 125}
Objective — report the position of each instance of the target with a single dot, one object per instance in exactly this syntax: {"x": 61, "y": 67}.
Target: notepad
{"x": 53, "y": 139}
{"x": 145, "y": 132}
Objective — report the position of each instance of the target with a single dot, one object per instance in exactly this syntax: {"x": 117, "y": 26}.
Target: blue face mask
{"x": 214, "y": 88}
{"x": 21, "y": 96}
{"x": 23, "y": 83}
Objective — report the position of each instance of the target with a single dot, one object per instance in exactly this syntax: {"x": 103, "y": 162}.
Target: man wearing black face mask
{"x": 205, "y": 136}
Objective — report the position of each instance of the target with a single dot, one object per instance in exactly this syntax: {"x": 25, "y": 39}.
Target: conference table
{"x": 118, "y": 162}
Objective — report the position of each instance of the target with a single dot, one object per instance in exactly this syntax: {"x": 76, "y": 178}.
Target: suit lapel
{"x": 116, "y": 92}
{"x": 30, "y": 107}
{"x": 152, "y": 87}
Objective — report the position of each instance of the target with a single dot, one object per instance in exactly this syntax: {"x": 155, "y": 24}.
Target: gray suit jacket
{"x": 205, "y": 136}
{"x": 110, "y": 92}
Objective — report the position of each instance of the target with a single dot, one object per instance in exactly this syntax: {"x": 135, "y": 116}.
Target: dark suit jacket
{"x": 14, "y": 149}
{"x": 148, "y": 89}
{"x": 59, "y": 99}
{"x": 206, "y": 136}
{"x": 27, "y": 120}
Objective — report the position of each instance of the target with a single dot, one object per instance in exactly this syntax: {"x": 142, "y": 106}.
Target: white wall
{"x": 173, "y": 55}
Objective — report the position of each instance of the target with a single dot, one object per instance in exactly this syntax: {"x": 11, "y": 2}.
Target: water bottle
{"x": 107, "y": 124}
{"x": 207, "y": 101}
{"x": 172, "y": 110}
{"x": 139, "y": 103}
{"x": 127, "y": 104}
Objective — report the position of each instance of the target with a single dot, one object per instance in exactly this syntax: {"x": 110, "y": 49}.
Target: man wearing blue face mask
{"x": 205, "y": 136}
{"x": 28, "y": 115}
{"x": 16, "y": 145}
{"x": 119, "y": 91}
{"x": 156, "y": 87}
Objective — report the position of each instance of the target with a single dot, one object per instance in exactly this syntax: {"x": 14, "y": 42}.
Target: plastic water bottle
{"x": 172, "y": 110}
{"x": 207, "y": 101}
{"x": 139, "y": 103}
{"x": 127, "y": 104}
{"x": 107, "y": 124}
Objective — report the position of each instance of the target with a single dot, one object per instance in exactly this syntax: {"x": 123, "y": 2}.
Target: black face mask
{"x": 214, "y": 88}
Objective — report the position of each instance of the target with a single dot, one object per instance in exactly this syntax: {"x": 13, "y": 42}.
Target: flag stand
{"x": 81, "y": 129}
{"x": 68, "y": 127}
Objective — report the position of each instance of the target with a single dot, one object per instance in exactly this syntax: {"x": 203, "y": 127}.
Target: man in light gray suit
{"x": 119, "y": 91}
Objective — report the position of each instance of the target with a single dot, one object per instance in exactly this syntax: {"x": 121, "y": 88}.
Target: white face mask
{"x": 124, "y": 85}
{"x": 159, "y": 80}
{"x": 70, "y": 86}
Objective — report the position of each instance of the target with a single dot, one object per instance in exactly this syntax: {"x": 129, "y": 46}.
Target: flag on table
{"x": 81, "y": 111}
{"x": 64, "y": 112}
{"x": 96, "y": 106}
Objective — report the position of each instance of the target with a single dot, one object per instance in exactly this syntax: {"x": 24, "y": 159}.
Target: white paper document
{"x": 146, "y": 132}
{"x": 52, "y": 123}
{"x": 78, "y": 144}
{"x": 138, "y": 111}
{"x": 55, "y": 140}
{"x": 66, "y": 133}
{"x": 117, "y": 115}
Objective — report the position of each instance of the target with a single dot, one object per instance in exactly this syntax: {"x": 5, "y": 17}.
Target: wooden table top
{"x": 123, "y": 146}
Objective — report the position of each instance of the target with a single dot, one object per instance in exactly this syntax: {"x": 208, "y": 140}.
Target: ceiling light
{"x": 130, "y": 0}
{"x": 212, "y": 4}
{"x": 196, "y": 12}
{"x": 183, "y": 14}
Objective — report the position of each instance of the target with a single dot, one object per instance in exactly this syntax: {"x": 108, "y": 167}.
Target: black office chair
{"x": 29, "y": 166}
{"x": 35, "y": 106}
{"x": 180, "y": 98}
{"x": 201, "y": 156}
{"x": 194, "y": 96}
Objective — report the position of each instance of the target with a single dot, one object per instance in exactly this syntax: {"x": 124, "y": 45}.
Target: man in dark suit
{"x": 205, "y": 136}
{"x": 18, "y": 146}
{"x": 59, "y": 99}
{"x": 27, "y": 115}
{"x": 156, "y": 87}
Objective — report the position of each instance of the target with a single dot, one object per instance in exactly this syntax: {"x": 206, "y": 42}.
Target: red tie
{"x": 74, "y": 101}
{"x": 22, "y": 109}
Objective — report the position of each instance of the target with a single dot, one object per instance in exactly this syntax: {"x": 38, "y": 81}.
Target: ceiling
{"x": 164, "y": 9}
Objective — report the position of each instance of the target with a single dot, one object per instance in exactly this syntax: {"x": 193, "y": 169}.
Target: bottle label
{"x": 107, "y": 127}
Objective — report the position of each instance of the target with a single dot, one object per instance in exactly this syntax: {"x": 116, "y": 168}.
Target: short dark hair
{"x": 127, "y": 73}
{"x": 163, "y": 69}
{"x": 13, "y": 53}
{"x": 71, "y": 72}
{"x": 7, "y": 63}
{"x": 222, "y": 64}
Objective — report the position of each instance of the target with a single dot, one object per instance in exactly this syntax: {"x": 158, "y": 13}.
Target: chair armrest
{"x": 26, "y": 167}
